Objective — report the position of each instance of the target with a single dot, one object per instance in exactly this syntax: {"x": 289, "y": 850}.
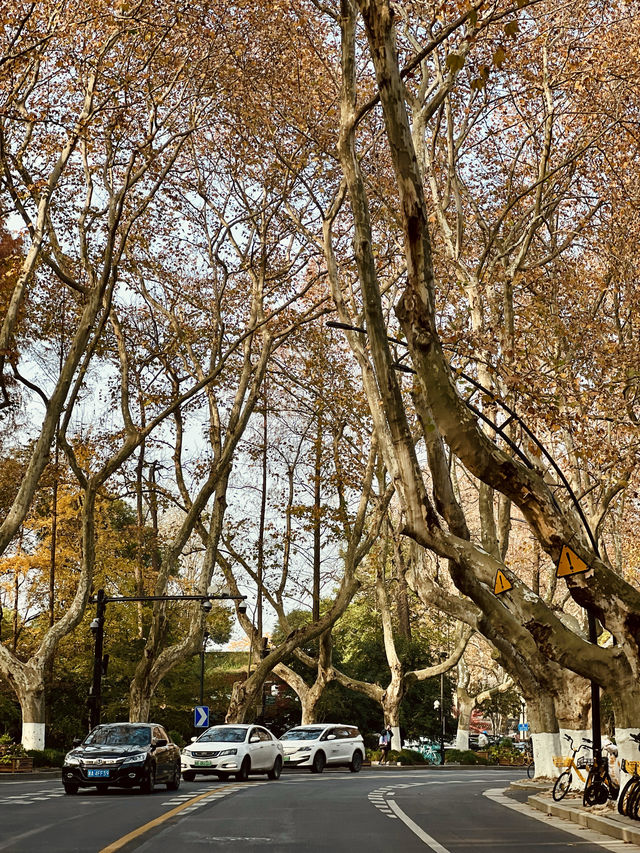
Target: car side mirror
{"x": 160, "y": 742}
{"x": 194, "y": 739}
{"x": 76, "y": 741}
{"x": 254, "y": 739}
{"x": 331, "y": 737}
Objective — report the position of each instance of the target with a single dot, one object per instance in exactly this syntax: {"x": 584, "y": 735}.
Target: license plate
{"x": 93, "y": 773}
{"x": 202, "y": 763}
{"x": 287, "y": 758}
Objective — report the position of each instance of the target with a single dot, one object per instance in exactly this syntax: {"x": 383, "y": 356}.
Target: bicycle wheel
{"x": 531, "y": 769}
{"x": 626, "y": 796}
{"x": 596, "y": 792}
{"x": 633, "y": 802}
{"x": 561, "y": 786}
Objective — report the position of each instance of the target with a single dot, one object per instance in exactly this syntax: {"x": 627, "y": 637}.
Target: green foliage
{"x": 10, "y": 720}
{"x": 500, "y": 706}
{"x": 9, "y": 749}
{"x": 460, "y": 756}
{"x": 505, "y": 751}
{"x": 177, "y": 738}
{"x": 411, "y": 756}
{"x": 358, "y": 651}
{"x": 47, "y": 757}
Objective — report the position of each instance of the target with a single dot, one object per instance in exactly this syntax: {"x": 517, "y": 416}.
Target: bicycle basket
{"x": 561, "y": 761}
{"x": 584, "y": 762}
{"x": 629, "y": 766}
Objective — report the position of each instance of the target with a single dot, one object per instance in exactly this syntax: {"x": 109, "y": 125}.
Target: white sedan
{"x": 323, "y": 744}
{"x": 233, "y": 749}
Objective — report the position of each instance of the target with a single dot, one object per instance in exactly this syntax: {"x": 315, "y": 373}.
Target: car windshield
{"x": 224, "y": 734}
{"x": 120, "y": 736}
{"x": 302, "y": 734}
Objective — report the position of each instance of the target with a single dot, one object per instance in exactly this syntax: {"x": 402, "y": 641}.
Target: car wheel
{"x": 188, "y": 775}
{"x": 70, "y": 788}
{"x": 149, "y": 781}
{"x": 174, "y": 783}
{"x": 243, "y": 774}
{"x": 356, "y": 762}
{"x": 319, "y": 762}
{"x": 276, "y": 770}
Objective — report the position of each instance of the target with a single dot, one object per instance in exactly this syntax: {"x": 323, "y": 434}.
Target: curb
{"x": 438, "y": 767}
{"x": 40, "y": 773}
{"x": 620, "y": 827}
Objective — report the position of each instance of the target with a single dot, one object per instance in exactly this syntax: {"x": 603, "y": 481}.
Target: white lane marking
{"x": 591, "y": 836}
{"x": 422, "y": 835}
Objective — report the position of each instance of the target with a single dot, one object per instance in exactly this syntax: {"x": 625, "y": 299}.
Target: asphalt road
{"x": 375, "y": 811}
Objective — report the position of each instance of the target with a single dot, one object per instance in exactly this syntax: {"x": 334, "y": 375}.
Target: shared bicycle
{"x": 600, "y": 786}
{"x": 629, "y": 800}
{"x": 563, "y": 782}
{"x": 430, "y": 752}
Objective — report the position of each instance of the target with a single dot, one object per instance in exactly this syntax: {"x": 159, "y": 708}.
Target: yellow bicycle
{"x": 563, "y": 782}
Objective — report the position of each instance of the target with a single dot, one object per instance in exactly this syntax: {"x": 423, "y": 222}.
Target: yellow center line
{"x": 136, "y": 833}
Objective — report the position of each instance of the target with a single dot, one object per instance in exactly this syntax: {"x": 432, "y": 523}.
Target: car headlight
{"x": 70, "y": 758}
{"x": 186, "y": 752}
{"x": 228, "y": 752}
{"x": 138, "y": 758}
{"x": 304, "y": 749}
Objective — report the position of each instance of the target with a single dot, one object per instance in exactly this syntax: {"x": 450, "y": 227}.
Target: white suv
{"x": 323, "y": 744}
{"x": 233, "y": 749}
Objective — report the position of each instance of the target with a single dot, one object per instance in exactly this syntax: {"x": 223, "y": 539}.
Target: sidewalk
{"x": 604, "y": 819}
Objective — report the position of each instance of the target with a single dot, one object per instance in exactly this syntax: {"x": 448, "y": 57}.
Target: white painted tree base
{"x": 545, "y": 746}
{"x": 33, "y": 735}
{"x": 627, "y": 749}
{"x": 462, "y": 739}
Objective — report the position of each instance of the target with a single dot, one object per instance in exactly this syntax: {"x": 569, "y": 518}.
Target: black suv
{"x": 125, "y": 755}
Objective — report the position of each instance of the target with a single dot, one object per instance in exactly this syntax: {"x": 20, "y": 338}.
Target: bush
{"x": 371, "y": 741}
{"x": 177, "y": 738}
{"x": 412, "y": 756}
{"x": 9, "y": 749}
{"x": 47, "y": 757}
{"x": 460, "y": 756}
{"x": 508, "y": 752}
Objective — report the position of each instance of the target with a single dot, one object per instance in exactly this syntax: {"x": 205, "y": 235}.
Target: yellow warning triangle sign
{"x": 570, "y": 564}
{"x": 502, "y": 583}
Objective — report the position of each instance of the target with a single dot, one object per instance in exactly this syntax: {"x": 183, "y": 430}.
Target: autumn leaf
{"x": 499, "y": 57}
{"x": 454, "y": 62}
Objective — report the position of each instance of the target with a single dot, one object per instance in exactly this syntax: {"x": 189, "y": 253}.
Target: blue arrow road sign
{"x": 523, "y": 727}
{"x": 201, "y": 716}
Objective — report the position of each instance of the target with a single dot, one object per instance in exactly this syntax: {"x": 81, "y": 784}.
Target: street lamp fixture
{"x": 97, "y": 628}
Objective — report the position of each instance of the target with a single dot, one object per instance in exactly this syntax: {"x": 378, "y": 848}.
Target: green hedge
{"x": 47, "y": 757}
{"x": 461, "y": 756}
{"x": 404, "y": 756}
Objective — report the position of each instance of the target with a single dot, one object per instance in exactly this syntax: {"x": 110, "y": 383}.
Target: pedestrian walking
{"x": 384, "y": 743}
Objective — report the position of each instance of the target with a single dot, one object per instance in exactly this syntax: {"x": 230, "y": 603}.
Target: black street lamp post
{"x": 205, "y": 637}
{"x": 442, "y": 718}
{"x": 100, "y": 660}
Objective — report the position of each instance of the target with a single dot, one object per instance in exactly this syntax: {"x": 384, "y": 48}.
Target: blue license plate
{"x": 93, "y": 773}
